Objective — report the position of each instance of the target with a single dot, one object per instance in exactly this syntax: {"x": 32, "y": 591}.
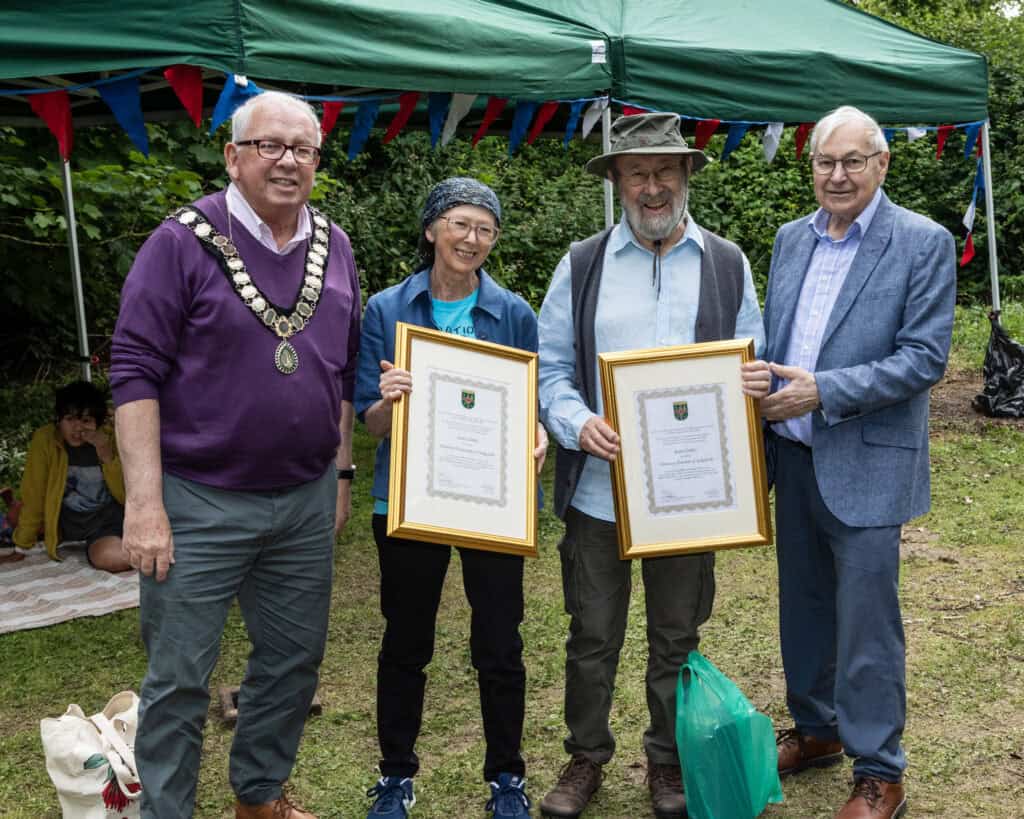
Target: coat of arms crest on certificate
{"x": 468, "y": 399}
{"x": 679, "y": 409}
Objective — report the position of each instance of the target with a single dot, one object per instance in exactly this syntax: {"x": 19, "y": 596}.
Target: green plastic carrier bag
{"x": 726, "y": 748}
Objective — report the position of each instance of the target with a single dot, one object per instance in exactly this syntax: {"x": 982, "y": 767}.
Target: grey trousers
{"x": 679, "y": 592}
{"x": 274, "y": 552}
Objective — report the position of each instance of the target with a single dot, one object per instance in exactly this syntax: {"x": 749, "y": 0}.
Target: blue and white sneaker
{"x": 508, "y": 798}
{"x": 393, "y": 798}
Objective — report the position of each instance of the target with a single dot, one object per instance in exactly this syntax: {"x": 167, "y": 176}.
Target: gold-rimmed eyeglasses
{"x": 269, "y": 149}
{"x": 460, "y": 229}
{"x": 855, "y": 163}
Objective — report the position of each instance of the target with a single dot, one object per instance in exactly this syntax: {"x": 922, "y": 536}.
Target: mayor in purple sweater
{"x": 233, "y": 371}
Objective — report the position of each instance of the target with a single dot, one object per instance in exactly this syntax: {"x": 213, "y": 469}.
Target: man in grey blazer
{"x": 858, "y": 315}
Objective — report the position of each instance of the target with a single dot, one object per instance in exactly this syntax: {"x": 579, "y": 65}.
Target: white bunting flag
{"x": 915, "y": 133}
{"x": 460, "y": 105}
{"x": 770, "y": 139}
{"x": 969, "y": 216}
{"x": 592, "y": 115}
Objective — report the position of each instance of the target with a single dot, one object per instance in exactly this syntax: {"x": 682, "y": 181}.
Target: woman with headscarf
{"x": 451, "y": 292}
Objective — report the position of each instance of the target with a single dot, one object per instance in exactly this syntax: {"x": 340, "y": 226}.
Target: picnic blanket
{"x": 39, "y": 592}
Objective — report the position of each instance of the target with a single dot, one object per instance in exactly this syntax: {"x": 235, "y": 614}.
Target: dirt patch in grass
{"x": 951, "y": 409}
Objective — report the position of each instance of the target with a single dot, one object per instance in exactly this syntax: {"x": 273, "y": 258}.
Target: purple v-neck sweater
{"x": 228, "y": 417}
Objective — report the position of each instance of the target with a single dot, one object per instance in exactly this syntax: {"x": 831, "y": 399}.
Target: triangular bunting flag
{"x": 593, "y": 115}
{"x": 968, "y": 250}
{"x": 770, "y": 139}
{"x": 406, "y": 105}
{"x": 573, "y": 122}
{"x": 495, "y": 105}
{"x": 940, "y": 139}
{"x": 914, "y": 134}
{"x": 544, "y": 115}
{"x": 705, "y": 128}
{"x": 332, "y": 108}
{"x": 366, "y": 115}
{"x": 54, "y": 108}
{"x": 888, "y": 133}
{"x": 461, "y": 105}
{"x": 520, "y": 122}
{"x": 187, "y": 83}
{"x": 972, "y": 138}
{"x": 237, "y": 89}
{"x": 437, "y": 110}
{"x": 800, "y": 137}
{"x": 632, "y": 110}
{"x": 733, "y": 139}
{"x": 122, "y": 97}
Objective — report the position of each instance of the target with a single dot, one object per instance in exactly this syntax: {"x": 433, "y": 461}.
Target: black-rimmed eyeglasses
{"x": 269, "y": 149}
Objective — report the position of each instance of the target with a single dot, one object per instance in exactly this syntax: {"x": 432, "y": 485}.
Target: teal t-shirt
{"x": 455, "y": 317}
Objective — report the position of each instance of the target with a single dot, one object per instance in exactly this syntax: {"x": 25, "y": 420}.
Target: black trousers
{"x": 411, "y": 579}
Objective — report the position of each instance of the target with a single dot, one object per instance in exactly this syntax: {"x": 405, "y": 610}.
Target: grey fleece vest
{"x": 721, "y": 293}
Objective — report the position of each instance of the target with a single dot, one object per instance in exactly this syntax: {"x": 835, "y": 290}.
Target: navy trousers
{"x": 839, "y": 613}
{"x": 274, "y": 552}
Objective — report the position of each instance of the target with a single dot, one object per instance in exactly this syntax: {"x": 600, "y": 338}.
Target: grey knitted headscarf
{"x": 450, "y": 193}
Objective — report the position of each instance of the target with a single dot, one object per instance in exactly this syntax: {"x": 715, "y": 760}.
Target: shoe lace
{"x": 284, "y": 805}
{"x": 787, "y": 736}
{"x": 577, "y": 771}
{"x": 508, "y": 797}
{"x": 665, "y": 776}
{"x": 388, "y": 794}
{"x": 868, "y": 788}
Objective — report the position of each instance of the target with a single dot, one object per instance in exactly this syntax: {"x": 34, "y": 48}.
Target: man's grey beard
{"x": 656, "y": 228}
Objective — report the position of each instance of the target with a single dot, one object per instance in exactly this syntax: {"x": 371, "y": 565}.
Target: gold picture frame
{"x": 690, "y": 475}
{"x": 462, "y": 467}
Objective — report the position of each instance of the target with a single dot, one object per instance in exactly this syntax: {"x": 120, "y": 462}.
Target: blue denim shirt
{"x": 500, "y": 316}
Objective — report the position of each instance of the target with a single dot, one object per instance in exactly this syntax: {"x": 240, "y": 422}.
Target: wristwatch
{"x": 347, "y": 474}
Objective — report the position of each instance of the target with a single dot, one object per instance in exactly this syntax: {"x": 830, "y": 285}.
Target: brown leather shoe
{"x": 577, "y": 782}
{"x": 282, "y": 808}
{"x": 666, "y": 784}
{"x": 798, "y": 752}
{"x": 874, "y": 799}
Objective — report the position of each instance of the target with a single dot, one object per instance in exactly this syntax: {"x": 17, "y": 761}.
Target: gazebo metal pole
{"x": 606, "y": 146}
{"x": 990, "y": 217}
{"x": 76, "y": 272}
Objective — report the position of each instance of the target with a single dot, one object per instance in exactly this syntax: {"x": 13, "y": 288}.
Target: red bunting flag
{"x": 544, "y": 115}
{"x": 968, "y": 250}
{"x": 800, "y": 137}
{"x": 187, "y": 82}
{"x": 979, "y": 148}
{"x": 705, "y": 128}
{"x": 632, "y": 111}
{"x": 54, "y": 108}
{"x": 495, "y": 105}
{"x": 331, "y": 111}
{"x": 940, "y": 139}
{"x": 406, "y": 105}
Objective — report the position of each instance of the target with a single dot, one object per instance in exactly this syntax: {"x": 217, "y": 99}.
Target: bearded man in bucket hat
{"x": 653, "y": 280}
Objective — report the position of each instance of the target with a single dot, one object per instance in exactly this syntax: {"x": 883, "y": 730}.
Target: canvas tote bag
{"x": 91, "y": 761}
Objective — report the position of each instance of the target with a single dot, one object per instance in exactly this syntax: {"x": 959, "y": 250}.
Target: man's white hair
{"x": 240, "y": 119}
{"x": 845, "y": 115}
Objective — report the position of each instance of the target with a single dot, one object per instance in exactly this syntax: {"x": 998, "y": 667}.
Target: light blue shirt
{"x": 824, "y": 279}
{"x": 632, "y": 313}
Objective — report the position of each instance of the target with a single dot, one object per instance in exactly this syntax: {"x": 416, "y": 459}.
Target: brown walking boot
{"x": 874, "y": 799}
{"x": 666, "y": 784}
{"x": 577, "y": 782}
{"x": 798, "y": 752}
{"x": 282, "y": 808}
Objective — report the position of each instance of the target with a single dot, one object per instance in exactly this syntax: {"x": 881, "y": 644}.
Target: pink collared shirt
{"x": 242, "y": 212}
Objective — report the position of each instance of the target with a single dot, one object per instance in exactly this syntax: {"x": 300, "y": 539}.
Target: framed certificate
{"x": 690, "y": 475}
{"x": 462, "y": 468}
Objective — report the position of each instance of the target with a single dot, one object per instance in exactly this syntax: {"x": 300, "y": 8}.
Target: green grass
{"x": 962, "y": 587}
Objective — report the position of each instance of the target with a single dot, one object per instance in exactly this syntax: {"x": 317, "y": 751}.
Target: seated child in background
{"x": 73, "y": 488}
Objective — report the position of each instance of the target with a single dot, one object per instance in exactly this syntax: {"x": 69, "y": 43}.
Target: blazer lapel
{"x": 871, "y": 248}
{"x": 786, "y": 291}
